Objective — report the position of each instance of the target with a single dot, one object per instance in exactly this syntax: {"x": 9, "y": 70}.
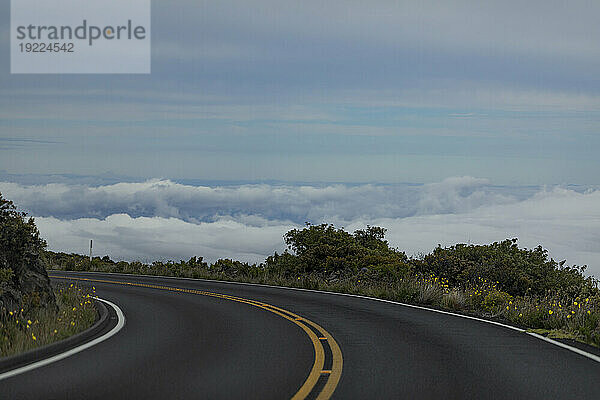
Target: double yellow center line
{"x": 332, "y": 375}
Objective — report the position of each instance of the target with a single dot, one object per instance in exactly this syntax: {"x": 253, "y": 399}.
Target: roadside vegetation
{"x": 499, "y": 281}
{"x": 26, "y": 328}
{"x": 32, "y": 312}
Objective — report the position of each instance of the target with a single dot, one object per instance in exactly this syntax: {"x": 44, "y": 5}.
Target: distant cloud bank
{"x": 161, "y": 219}
{"x": 297, "y": 203}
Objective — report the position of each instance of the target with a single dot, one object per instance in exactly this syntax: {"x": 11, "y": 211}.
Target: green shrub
{"x": 517, "y": 271}
{"x": 23, "y": 270}
{"x": 324, "y": 249}
{"x": 495, "y": 301}
{"x": 6, "y": 275}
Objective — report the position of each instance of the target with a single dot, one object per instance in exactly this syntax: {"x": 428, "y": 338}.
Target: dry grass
{"x": 454, "y": 300}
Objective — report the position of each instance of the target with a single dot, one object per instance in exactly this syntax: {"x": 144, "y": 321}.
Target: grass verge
{"x": 499, "y": 281}
{"x": 21, "y": 331}
{"x": 575, "y": 318}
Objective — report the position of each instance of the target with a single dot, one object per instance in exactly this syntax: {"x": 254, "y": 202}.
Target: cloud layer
{"x": 161, "y": 219}
{"x": 167, "y": 199}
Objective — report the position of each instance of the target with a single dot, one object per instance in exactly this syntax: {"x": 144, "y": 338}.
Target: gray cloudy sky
{"x": 384, "y": 91}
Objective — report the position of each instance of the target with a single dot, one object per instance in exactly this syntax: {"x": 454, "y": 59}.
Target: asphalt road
{"x": 185, "y": 344}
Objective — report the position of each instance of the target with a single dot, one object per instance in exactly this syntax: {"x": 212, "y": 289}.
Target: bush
{"x": 323, "y": 249}
{"x": 21, "y": 249}
{"x": 495, "y": 301}
{"x": 517, "y": 271}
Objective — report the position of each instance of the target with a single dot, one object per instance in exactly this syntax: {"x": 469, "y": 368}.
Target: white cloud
{"x": 157, "y": 238}
{"x": 248, "y": 222}
{"x": 565, "y": 222}
{"x": 164, "y": 198}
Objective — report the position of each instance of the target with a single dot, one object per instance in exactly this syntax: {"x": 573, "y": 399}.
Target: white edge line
{"x": 41, "y": 363}
{"x": 514, "y": 328}
{"x": 566, "y": 346}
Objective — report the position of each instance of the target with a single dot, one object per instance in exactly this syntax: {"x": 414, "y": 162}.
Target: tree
{"x": 325, "y": 249}
{"x": 372, "y": 237}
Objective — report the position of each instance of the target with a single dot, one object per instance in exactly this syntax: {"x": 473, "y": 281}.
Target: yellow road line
{"x": 338, "y": 360}
{"x": 317, "y": 369}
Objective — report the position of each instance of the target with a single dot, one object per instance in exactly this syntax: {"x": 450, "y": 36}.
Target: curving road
{"x": 215, "y": 340}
